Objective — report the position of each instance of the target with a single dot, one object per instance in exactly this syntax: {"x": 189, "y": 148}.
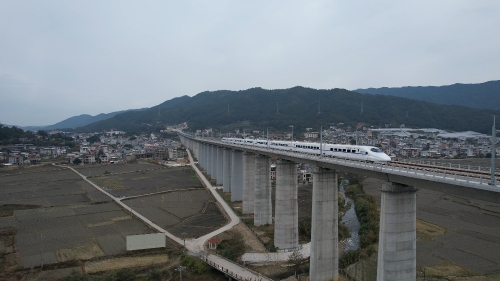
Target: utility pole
{"x": 184, "y": 236}
{"x": 292, "y": 131}
{"x": 493, "y": 152}
{"x": 267, "y": 137}
{"x": 321, "y": 140}
{"x": 180, "y": 269}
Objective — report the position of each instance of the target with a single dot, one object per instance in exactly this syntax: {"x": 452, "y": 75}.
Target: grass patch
{"x": 125, "y": 262}
{"x": 426, "y": 231}
{"x": 109, "y": 182}
{"x": 84, "y": 252}
{"x": 232, "y": 248}
{"x": 8, "y": 210}
{"x": 448, "y": 269}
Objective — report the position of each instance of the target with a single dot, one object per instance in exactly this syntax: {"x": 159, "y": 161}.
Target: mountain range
{"x": 258, "y": 108}
{"x": 483, "y": 95}
{"x": 301, "y": 107}
{"x": 76, "y": 121}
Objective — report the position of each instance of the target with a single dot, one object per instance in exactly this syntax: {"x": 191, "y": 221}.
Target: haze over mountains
{"x": 76, "y": 121}
{"x": 484, "y": 95}
{"x": 258, "y": 108}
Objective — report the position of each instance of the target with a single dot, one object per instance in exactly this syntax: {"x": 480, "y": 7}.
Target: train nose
{"x": 386, "y": 158}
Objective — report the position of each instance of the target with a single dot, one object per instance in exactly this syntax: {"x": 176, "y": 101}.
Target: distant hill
{"x": 484, "y": 95}
{"x": 256, "y": 108}
{"x": 77, "y": 121}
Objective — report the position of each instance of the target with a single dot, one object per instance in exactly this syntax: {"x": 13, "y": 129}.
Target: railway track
{"x": 451, "y": 170}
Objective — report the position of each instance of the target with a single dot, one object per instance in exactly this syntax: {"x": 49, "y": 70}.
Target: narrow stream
{"x": 351, "y": 221}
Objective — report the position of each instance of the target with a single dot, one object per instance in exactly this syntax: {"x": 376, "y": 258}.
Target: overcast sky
{"x": 64, "y": 58}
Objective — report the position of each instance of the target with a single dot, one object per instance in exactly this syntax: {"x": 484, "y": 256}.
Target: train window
{"x": 376, "y": 150}
{"x": 353, "y": 151}
{"x": 348, "y": 151}
{"x": 331, "y": 149}
{"x": 344, "y": 150}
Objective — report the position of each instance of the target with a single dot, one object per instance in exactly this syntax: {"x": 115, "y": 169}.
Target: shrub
{"x": 194, "y": 265}
{"x": 154, "y": 274}
{"x": 232, "y": 248}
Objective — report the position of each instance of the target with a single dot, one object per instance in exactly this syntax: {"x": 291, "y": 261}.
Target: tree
{"x": 295, "y": 259}
{"x": 77, "y": 161}
{"x": 42, "y": 133}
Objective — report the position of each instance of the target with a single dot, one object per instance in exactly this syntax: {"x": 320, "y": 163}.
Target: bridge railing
{"x": 404, "y": 170}
{"x": 231, "y": 273}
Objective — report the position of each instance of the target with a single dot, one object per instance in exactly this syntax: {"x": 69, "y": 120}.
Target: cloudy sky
{"x": 64, "y": 58}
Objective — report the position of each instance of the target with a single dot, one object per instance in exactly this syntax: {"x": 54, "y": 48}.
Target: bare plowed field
{"x": 151, "y": 180}
{"x": 46, "y": 186}
{"x": 72, "y": 232}
{"x": 192, "y": 212}
{"x": 469, "y": 230}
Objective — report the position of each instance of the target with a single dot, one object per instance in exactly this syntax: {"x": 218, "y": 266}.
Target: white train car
{"x": 352, "y": 152}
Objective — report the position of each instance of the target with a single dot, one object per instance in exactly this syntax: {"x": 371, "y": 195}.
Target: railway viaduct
{"x": 245, "y": 172}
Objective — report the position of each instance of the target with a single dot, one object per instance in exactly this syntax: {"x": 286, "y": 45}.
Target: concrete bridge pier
{"x": 220, "y": 171}
{"x": 209, "y": 160}
{"x": 236, "y": 175}
{"x": 248, "y": 182}
{"x": 204, "y": 157}
{"x": 213, "y": 162}
{"x": 397, "y": 248}
{"x": 226, "y": 167}
{"x": 286, "y": 218}
{"x": 324, "y": 262}
{"x": 263, "y": 211}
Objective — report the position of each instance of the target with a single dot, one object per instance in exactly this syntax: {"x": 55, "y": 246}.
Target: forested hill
{"x": 485, "y": 95}
{"x": 256, "y": 108}
{"x": 76, "y": 121}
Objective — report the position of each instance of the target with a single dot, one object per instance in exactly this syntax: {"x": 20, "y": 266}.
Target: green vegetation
{"x": 256, "y": 109}
{"x": 14, "y": 135}
{"x": 367, "y": 212}
{"x": 154, "y": 274}
{"x": 116, "y": 275}
{"x": 193, "y": 264}
{"x": 369, "y": 218}
{"x": 483, "y": 95}
{"x": 232, "y": 248}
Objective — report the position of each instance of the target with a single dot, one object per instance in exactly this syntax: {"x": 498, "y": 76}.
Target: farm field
{"x": 149, "y": 179}
{"x": 194, "y": 212}
{"x": 75, "y": 232}
{"x": 46, "y": 186}
{"x": 462, "y": 231}
{"x": 49, "y": 214}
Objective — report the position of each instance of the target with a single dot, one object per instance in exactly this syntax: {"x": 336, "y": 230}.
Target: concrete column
{"x": 263, "y": 210}
{"x": 286, "y": 218}
{"x": 220, "y": 160}
{"x": 237, "y": 175}
{"x": 226, "y": 166}
{"x": 213, "y": 162}
{"x": 324, "y": 262}
{"x": 397, "y": 247}
{"x": 248, "y": 182}
{"x": 208, "y": 159}
{"x": 204, "y": 156}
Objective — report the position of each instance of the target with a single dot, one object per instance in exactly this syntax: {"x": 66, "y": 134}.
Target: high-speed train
{"x": 344, "y": 151}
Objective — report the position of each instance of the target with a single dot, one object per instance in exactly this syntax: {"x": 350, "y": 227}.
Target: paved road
{"x": 196, "y": 245}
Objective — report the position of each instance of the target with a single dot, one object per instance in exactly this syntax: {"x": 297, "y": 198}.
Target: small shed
{"x": 213, "y": 242}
